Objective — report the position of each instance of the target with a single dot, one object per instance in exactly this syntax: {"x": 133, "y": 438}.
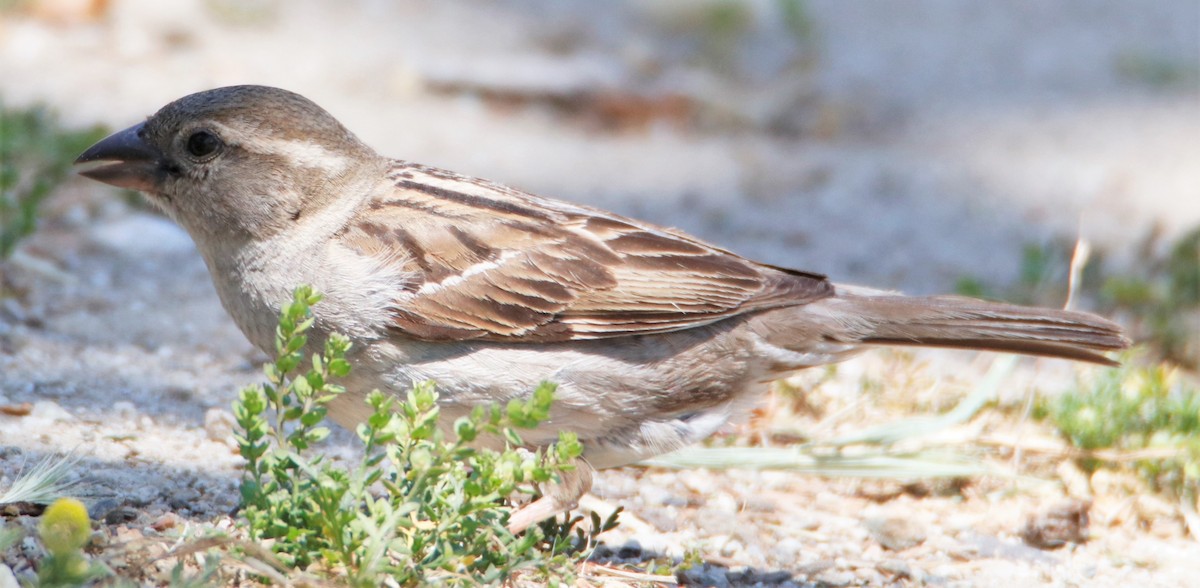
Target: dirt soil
{"x": 901, "y": 144}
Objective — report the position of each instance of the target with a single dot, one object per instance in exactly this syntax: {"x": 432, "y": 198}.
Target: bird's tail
{"x": 860, "y": 316}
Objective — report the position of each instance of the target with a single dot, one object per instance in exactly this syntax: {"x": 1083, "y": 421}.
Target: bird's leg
{"x": 559, "y": 498}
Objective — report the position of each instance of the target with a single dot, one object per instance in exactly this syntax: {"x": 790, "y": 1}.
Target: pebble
{"x": 896, "y": 567}
{"x": 700, "y": 482}
{"x": 732, "y": 547}
{"x": 724, "y": 503}
{"x": 815, "y": 567}
{"x": 184, "y": 498}
{"x": 167, "y": 521}
{"x": 835, "y": 578}
{"x": 7, "y": 578}
{"x": 705, "y": 575}
{"x": 50, "y": 411}
{"x": 716, "y": 521}
{"x": 16, "y": 410}
{"x": 653, "y": 495}
{"x": 142, "y": 495}
{"x": 99, "y": 509}
{"x": 947, "y": 572}
{"x": 630, "y": 550}
{"x": 664, "y": 519}
{"x": 219, "y": 424}
{"x": 1060, "y": 524}
{"x": 120, "y": 515}
{"x": 787, "y": 550}
{"x": 896, "y": 532}
{"x": 752, "y": 577}
{"x": 754, "y": 554}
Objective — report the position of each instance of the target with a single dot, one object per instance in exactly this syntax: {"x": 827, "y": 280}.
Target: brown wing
{"x": 482, "y": 261}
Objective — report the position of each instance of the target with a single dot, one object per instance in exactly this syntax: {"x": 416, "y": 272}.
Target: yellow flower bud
{"x": 65, "y": 526}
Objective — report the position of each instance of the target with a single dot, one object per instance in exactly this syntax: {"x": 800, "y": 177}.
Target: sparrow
{"x": 655, "y": 338}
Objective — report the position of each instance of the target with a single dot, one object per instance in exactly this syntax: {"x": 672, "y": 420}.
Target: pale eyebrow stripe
{"x": 301, "y": 153}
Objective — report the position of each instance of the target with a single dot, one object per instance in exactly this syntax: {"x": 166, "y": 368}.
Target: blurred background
{"x": 906, "y": 144}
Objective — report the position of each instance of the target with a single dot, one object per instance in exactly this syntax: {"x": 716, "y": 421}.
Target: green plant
{"x": 422, "y": 505}
{"x": 35, "y": 157}
{"x": 1134, "y": 409}
{"x": 1163, "y": 298}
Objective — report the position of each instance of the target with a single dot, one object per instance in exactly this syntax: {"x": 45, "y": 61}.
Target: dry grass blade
{"x": 824, "y": 457}
{"x": 44, "y": 483}
{"x": 603, "y": 573}
{"x": 1079, "y": 259}
{"x": 906, "y": 429}
{"x": 797, "y": 459}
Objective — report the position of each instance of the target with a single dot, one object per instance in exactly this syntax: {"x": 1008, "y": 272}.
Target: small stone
{"x": 816, "y": 567}
{"x": 7, "y": 578}
{"x": 732, "y": 547}
{"x": 716, "y": 522}
{"x": 776, "y": 577}
{"x": 22, "y": 409}
{"x": 664, "y": 519}
{"x": 183, "y": 499}
{"x": 120, "y": 515}
{"x": 700, "y": 482}
{"x": 896, "y": 532}
{"x": 630, "y": 550}
{"x": 951, "y": 572}
{"x": 1062, "y": 523}
{"x": 753, "y": 577}
{"x": 706, "y": 575}
{"x": 653, "y": 495}
{"x": 99, "y": 509}
{"x": 895, "y": 567}
{"x": 787, "y": 550}
{"x": 50, "y": 411}
{"x": 142, "y": 495}
{"x": 753, "y": 553}
{"x": 835, "y": 578}
{"x": 167, "y": 521}
{"x": 724, "y": 503}
{"x": 219, "y": 424}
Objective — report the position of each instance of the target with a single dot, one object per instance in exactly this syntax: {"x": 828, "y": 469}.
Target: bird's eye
{"x": 203, "y": 144}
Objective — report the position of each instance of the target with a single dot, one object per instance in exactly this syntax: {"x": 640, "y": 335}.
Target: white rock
{"x": 50, "y": 411}
{"x": 218, "y": 424}
{"x": 7, "y": 578}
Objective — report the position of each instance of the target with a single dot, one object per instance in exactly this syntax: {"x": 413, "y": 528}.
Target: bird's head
{"x": 234, "y": 162}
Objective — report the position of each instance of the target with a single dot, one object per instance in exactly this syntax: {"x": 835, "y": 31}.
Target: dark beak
{"x": 128, "y": 162}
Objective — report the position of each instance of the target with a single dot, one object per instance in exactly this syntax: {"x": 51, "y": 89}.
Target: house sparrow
{"x": 655, "y": 338}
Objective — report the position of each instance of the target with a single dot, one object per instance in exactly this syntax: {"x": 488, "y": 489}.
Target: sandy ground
{"x": 897, "y": 144}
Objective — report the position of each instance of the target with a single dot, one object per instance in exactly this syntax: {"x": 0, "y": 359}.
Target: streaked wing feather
{"x": 485, "y": 262}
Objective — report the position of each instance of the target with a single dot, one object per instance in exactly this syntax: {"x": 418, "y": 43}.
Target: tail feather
{"x": 967, "y": 323}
